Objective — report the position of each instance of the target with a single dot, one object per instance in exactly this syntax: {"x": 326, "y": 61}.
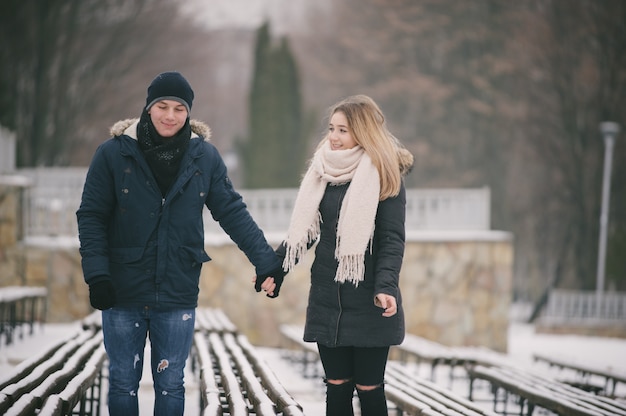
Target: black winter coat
{"x": 150, "y": 247}
{"x": 345, "y": 315}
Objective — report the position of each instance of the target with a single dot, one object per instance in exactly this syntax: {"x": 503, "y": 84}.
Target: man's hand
{"x": 270, "y": 284}
{"x": 102, "y": 295}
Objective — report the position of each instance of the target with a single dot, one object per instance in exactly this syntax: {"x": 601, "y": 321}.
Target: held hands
{"x": 270, "y": 283}
{"x": 386, "y": 302}
{"x": 102, "y": 295}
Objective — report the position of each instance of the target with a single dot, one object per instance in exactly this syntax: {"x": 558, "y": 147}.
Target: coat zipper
{"x": 345, "y": 189}
{"x": 340, "y": 313}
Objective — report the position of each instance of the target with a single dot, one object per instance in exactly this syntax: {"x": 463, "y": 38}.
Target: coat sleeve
{"x": 93, "y": 215}
{"x": 390, "y": 241}
{"x": 227, "y": 207}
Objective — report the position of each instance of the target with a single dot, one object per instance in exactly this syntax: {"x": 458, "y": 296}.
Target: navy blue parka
{"x": 152, "y": 247}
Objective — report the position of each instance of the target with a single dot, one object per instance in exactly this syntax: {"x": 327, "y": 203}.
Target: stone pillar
{"x": 457, "y": 291}
{"x": 11, "y": 229}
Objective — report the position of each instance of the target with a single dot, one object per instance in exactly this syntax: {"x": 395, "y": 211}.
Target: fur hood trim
{"x": 129, "y": 128}
{"x": 405, "y": 159}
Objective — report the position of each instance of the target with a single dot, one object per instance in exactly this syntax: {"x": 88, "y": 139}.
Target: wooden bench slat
{"x": 26, "y": 405}
{"x": 232, "y": 371}
{"x": 575, "y": 395}
{"x": 409, "y": 404}
{"x": 584, "y": 369}
{"x": 213, "y": 320}
{"x": 26, "y": 367}
{"x": 55, "y": 382}
{"x": 53, "y": 406}
{"x": 538, "y": 395}
{"x": 261, "y": 402}
{"x": 440, "y": 404}
{"x": 429, "y": 393}
{"x": 47, "y": 367}
{"x": 210, "y": 392}
{"x": 236, "y": 399}
{"x": 460, "y": 404}
{"x": 84, "y": 380}
{"x": 286, "y": 403}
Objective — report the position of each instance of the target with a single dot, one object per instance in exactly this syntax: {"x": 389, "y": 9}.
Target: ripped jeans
{"x": 171, "y": 333}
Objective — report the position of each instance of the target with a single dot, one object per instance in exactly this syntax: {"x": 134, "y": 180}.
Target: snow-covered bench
{"x": 532, "y": 389}
{"x": 63, "y": 376}
{"x": 424, "y": 351}
{"x": 302, "y": 354}
{"x": 234, "y": 378}
{"x": 20, "y": 306}
{"x": 414, "y": 395}
{"x": 585, "y": 371}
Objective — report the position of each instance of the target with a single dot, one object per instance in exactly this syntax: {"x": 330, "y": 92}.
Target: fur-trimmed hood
{"x": 128, "y": 127}
{"x": 405, "y": 159}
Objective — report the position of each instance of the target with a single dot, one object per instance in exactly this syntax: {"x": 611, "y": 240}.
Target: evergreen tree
{"x": 273, "y": 153}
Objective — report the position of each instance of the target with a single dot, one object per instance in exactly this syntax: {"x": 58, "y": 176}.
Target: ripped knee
{"x": 362, "y": 387}
{"x": 338, "y": 382}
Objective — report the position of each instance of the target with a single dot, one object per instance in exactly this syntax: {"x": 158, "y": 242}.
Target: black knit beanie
{"x": 170, "y": 86}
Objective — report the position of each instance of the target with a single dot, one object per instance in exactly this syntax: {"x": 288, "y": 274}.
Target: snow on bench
{"x": 67, "y": 369}
{"x": 305, "y": 353}
{"x": 213, "y": 320}
{"x": 611, "y": 377}
{"x": 537, "y": 390}
{"x": 417, "y": 396}
{"x": 234, "y": 379}
{"x": 20, "y": 306}
{"x": 424, "y": 351}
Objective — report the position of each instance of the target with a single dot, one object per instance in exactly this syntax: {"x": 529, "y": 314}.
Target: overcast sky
{"x": 285, "y": 15}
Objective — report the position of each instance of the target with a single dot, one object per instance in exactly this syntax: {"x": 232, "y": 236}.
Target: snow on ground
{"x": 607, "y": 353}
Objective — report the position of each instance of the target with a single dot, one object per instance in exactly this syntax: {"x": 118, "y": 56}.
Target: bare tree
{"x": 572, "y": 76}
{"x": 79, "y": 60}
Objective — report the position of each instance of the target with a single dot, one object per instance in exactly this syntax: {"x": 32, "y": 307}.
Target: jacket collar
{"x": 128, "y": 128}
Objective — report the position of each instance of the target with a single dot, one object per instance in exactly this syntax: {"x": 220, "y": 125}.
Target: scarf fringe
{"x": 294, "y": 252}
{"x": 352, "y": 268}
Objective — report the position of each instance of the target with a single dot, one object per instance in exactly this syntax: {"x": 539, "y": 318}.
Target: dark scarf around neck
{"x": 163, "y": 154}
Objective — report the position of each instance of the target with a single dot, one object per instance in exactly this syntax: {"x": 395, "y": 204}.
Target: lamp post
{"x": 609, "y": 131}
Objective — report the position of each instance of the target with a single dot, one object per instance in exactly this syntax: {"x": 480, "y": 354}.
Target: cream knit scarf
{"x": 358, "y": 210}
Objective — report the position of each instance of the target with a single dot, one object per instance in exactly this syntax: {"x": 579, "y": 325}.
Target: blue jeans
{"x": 171, "y": 333}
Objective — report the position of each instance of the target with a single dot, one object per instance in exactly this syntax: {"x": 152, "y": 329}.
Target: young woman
{"x": 142, "y": 240}
{"x": 352, "y": 203}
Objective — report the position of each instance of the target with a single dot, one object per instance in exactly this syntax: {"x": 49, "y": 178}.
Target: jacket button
{"x": 202, "y": 194}
{"x": 125, "y": 190}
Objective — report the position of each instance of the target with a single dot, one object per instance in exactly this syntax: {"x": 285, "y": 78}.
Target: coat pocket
{"x": 195, "y": 255}
{"x": 126, "y": 255}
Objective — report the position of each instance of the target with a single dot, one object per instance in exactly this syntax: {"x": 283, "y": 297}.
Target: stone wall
{"x": 457, "y": 293}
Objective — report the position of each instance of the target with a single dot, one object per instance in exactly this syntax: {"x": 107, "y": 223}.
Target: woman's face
{"x": 339, "y": 135}
{"x": 168, "y": 117}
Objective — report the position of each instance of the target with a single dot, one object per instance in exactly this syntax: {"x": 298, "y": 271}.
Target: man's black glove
{"x": 102, "y": 295}
{"x": 278, "y": 275}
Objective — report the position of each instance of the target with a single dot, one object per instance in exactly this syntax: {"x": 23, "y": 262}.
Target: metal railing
{"x": 570, "y": 306}
{"x": 55, "y": 196}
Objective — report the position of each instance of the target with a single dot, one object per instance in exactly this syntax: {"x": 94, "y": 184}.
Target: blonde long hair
{"x": 366, "y": 123}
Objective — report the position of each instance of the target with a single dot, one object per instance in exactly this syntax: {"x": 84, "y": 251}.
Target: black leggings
{"x": 364, "y": 366}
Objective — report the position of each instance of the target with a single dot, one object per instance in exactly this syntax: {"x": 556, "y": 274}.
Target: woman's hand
{"x": 386, "y": 302}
